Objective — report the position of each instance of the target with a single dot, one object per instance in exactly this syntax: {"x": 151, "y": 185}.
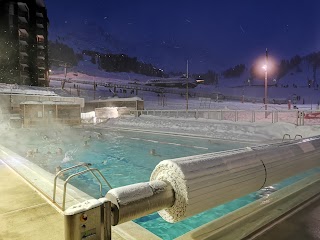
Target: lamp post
{"x": 187, "y": 97}
{"x": 265, "y": 67}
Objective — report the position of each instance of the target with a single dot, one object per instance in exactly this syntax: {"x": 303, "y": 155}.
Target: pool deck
{"x": 304, "y": 224}
{"x": 27, "y": 215}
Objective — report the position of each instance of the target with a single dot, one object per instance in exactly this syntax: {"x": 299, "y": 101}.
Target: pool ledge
{"x": 248, "y": 219}
{"x": 41, "y": 179}
{"x": 42, "y": 182}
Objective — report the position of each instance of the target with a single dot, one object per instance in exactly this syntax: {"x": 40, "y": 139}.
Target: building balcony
{"x": 41, "y": 57}
{"x": 23, "y": 34}
{"x": 42, "y": 80}
{"x": 23, "y": 54}
{"x": 39, "y": 15}
{"x": 23, "y": 66}
{"x": 40, "y": 47}
{"x": 23, "y": 43}
{"x": 22, "y": 19}
{"x": 40, "y": 25}
{"x": 40, "y": 39}
{"x": 23, "y": 7}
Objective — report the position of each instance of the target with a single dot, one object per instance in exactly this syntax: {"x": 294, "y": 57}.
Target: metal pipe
{"x": 137, "y": 200}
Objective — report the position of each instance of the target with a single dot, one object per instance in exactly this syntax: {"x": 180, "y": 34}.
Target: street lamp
{"x": 265, "y": 67}
{"x": 187, "y": 93}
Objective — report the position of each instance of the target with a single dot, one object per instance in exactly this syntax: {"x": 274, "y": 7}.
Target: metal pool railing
{"x": 88, "y": 169}
{"x": 290, "y": 116}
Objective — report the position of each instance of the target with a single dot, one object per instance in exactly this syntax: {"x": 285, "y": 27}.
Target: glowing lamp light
{"x": 265, "y": 67}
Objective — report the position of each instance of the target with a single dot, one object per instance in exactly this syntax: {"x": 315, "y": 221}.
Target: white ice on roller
{"x": 197, "y": 179}
{"x": 205, "y": 181}
{"x": 131, "y": 193}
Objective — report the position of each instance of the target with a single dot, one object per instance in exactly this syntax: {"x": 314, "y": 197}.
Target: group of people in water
{"x": 31, "y": 153}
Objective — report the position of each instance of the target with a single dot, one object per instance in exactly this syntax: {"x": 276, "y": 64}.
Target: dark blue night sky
{"x": 208, "y": 33}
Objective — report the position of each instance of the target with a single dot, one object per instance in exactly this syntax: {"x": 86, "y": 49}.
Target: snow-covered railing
{"x": 289, "y": 116}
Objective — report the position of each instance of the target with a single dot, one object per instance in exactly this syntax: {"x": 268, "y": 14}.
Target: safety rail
{"x": 77, "y": 174}
{"x": 86, "y": 165}
{"x": 289, "y": 137}
{"x": 290, "y": 116}
{"x": 286, "y": 135}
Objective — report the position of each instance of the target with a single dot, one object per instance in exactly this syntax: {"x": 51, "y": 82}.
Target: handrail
{"x": 62, "y": 171}
{"x": 76, "y": 166}
{"x": 80, "y": 173}
{"x": 288, "y": 135}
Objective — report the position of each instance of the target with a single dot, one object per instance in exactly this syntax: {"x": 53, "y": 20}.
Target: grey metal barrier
{"x": 290, "y": 116}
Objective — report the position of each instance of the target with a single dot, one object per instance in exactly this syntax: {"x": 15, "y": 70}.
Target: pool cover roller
{"x": 182, "y": 187}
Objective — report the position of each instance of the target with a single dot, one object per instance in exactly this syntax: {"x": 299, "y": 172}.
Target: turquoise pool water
{"x": 124, "y": 158}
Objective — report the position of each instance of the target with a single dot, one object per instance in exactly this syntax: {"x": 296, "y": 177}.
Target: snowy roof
{"x": 26, "y": 92}
{"x": 48, "y": 103}
{"x": 116, "y": 100}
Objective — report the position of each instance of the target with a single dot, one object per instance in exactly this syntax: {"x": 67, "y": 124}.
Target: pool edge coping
{"x": 234, "y": 225}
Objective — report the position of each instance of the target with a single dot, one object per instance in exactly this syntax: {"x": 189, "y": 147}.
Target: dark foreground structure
{"x": 24, "y": 42}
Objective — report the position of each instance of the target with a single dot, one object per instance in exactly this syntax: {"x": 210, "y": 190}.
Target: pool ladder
{"x": 88, "y": 169}
{"x": 289, "y": 137}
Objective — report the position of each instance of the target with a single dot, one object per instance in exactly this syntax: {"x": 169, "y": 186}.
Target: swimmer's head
{"x": 153, "y": 152}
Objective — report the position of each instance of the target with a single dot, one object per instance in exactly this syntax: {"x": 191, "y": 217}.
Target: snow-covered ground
{"x": 223, "y": 130}
{"x": 228, "y": 130}
{"x": 241, "y": 130}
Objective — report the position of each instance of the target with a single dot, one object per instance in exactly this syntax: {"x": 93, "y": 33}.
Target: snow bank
{"x": 225, "y": 130}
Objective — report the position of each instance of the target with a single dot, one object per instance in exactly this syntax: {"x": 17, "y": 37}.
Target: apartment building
{"x": 24, "y": 42}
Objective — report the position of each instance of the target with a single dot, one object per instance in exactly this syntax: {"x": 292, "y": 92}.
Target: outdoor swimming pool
{"x": 124, "y": 158}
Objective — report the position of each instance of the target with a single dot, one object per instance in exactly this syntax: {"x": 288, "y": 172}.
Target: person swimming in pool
{"x": 59, "y": 151}
{"x": 58, "y": 169}
{"x": 153, "y": 153}
{"x": 100, "y": 136}
{"x": 86, "y": 144}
